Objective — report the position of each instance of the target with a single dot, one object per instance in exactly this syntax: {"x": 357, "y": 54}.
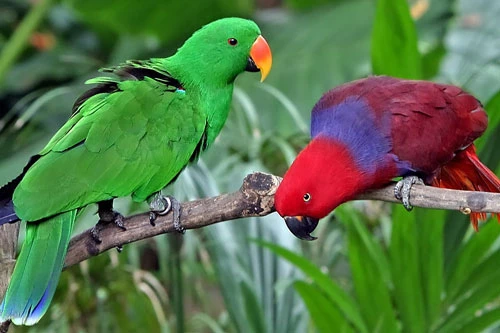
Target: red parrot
{"x": 370, "y": 131}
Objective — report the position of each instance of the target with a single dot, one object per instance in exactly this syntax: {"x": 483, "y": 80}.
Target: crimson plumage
{"x": 369, "y": 131}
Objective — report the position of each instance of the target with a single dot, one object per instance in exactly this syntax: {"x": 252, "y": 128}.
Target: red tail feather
{"x": 466, "y": 172}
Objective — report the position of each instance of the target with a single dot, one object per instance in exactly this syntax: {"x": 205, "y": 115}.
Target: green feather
{"x": 37, "y": 270}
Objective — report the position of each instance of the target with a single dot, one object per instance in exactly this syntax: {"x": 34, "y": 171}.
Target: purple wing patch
{"x": 354, "y": 124}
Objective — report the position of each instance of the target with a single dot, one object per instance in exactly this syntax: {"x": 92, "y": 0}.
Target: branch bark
{"x": 8, "y": 246}
{"x": 256, "y": 198}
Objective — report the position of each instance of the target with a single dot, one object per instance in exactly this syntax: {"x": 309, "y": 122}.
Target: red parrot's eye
{"x": 307, "y": 197}
{"x": 232, "y": 41}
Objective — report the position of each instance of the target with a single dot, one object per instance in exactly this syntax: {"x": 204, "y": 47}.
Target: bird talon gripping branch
{"x": 162, "y": 205}
{"x": 106, "y": 215}
{"x": 402, "y": 190}
{"x": 159, "y": 204}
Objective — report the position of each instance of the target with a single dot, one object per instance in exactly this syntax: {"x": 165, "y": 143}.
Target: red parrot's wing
{"x": 429, "y": 122}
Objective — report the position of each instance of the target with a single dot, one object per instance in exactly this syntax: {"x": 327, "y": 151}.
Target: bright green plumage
{"x": 130, "y": 135}
{"x": 39, "y": 264}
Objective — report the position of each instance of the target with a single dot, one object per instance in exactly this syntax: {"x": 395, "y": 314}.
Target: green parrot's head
{"x": 223, "y": 49}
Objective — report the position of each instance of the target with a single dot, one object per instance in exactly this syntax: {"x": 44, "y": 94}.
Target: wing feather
{"x": 132, "y": 139}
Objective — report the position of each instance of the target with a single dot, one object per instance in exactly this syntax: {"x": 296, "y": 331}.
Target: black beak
{"x": 301, "y": 226}
{"x": 251, "y": 66}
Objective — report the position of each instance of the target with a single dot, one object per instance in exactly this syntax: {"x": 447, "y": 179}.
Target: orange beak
{"x": 262, "y": 57}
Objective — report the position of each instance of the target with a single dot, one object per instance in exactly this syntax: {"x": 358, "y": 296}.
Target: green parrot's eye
{"x": 307, "y": 197}
{"x": 232, "y": 41}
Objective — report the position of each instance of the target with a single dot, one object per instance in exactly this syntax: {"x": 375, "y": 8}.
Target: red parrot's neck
{"x": 344, "y": 179}
{"x": 328, "y": 171}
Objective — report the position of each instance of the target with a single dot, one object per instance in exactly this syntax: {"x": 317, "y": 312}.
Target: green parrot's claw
{"x": 106, "y": 215}
{"x": 94, "y": 233}
{"x": 403, "y": 188}
{"x": 161, "y": 205}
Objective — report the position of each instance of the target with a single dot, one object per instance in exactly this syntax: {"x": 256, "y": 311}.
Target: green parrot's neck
{"x": 213, "y": 92}
{"x": 217, "y": 104}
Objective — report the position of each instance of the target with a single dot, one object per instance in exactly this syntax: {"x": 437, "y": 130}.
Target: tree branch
{"x": 256, "y": 198}
{"x": 8, "y": 248}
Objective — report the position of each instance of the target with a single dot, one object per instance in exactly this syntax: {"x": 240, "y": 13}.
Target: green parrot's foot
{"x": 106, "y": 216}
{"x": 116, "y": 219}
{"x": 403, "y": 188}
{"x": 95, "y": 233}
{"x": 161, "y": 205}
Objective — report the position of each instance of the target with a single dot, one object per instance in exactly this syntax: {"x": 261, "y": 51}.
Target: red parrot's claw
{"x": 403, "y": 188}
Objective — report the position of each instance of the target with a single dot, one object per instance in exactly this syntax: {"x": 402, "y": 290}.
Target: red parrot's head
{"x": 322, "y": 177}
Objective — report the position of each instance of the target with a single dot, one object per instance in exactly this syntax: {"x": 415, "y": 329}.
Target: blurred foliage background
{"x": 374, "y": 268}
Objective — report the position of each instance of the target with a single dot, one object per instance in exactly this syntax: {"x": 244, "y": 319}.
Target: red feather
{"x": 466, "y": 172}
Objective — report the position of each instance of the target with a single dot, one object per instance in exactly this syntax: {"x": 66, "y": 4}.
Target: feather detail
{"x": 353, "y": 123}
{"x": 37, "y": 270}
{"x": 7, "y": 213}
{"x": 466, "y": 172}
{"x": 131, "y": 70}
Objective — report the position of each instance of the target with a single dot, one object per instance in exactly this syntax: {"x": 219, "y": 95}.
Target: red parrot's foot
{"x": 106, "y": 215}
{"x": 161, "y": 205}
{"x": 403, "y": 188}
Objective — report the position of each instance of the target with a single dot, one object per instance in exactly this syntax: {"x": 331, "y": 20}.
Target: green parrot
{"x": 131, "y": 134}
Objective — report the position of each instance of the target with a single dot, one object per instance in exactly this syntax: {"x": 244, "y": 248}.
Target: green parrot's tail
{"x": 37, "y": 270}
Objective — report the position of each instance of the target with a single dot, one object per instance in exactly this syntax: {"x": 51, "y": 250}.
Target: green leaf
{"x": 482, "y": 274}
{"x": 469, "y": 257}
{"x": 408, "y": 262}
{"x": 394, "y": 41}
{"x": 481, "y": 322}
{"x": 324, "y": 314}
{"x": 431, "y": 61}
{"x": 338, "y": 296}
{"x": 347, "y": 214}
{"x": 158, "y": 18}
{"x": 308, "y": 4}
{"x": 430, "y": 228}
{"x": 373, "y": 293}
{"x": 492, "y": 108}
{"x": 472, "y": 301}
{"x": 479, "y": 288}
{"x": 471, "y": 60}
{"x": 252, "y": 308}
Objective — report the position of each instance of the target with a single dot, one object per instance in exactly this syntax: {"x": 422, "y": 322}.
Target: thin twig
{"x": 256, "y": 198}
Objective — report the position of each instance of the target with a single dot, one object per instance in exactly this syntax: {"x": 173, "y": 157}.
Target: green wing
{"x": 126, "y": 137}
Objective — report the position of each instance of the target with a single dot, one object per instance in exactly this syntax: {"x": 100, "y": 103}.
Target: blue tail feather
{"x": 7, "y": 213}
